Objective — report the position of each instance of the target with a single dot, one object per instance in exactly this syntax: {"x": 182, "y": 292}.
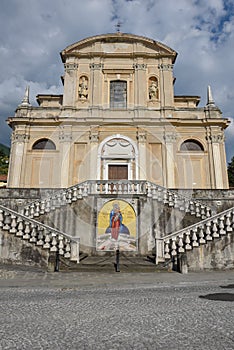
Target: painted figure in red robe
{"x": 115, "y": 221}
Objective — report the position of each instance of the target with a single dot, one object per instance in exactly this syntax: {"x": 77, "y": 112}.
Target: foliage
{"x": 231, "y": 172}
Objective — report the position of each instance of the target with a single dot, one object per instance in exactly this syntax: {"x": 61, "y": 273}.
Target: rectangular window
{"x": 118, "y": 94}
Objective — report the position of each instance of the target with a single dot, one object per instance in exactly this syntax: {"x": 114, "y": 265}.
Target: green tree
{"x": 231, "y": 172}
{"x": 4, "y": 163}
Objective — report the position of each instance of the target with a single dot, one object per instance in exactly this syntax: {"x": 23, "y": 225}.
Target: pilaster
{"x": 170, "y": 139}
{"x": 65, "y": 139}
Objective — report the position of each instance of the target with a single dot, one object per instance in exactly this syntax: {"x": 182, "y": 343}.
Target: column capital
{"x": 165, "y": 67}
{"x": 139, "y": 66}
{"x": 94, "y": 136}
{"x": 70, "y": 66}
{"x": 141, "y": 136}
{"x": 20, "y": 138}
{"x": 96, "y": 66}
{"x": 170, "y": 137}
{"x": 219, "y": 138}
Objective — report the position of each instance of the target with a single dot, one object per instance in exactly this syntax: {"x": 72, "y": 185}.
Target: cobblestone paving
{"x": 132, "y": 313}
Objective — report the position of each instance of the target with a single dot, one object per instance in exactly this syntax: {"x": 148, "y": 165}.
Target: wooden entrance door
{"x": 118, "y": 172}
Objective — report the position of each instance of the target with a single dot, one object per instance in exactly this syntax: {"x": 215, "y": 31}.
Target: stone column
{"x": 216, "y": 141}
{"x": 65, "y": 138}
{"x": 170, "y": 139}
{"x": 141, "y": 136}
{"x": 94, "y": 138}
{"x": 16, "y": 166}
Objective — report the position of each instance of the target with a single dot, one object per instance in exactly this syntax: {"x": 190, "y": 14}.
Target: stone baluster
{"x": 197, "y": 210}
{"x": 208, "y": 231}
{"x": 215, "y": 229}
{"x": 201, "y": 235}
{"x": 228, "y": 222}
{"x": 181, "y": 244}
{"x": 27, "y": 230}
{"x": 114, "y": 189}
{"x": 13, "y": 224}
{"x": 1, "y": 218}
{"x": 40, "y": 238}
{"x": 160, "y": 194}
{"x": 33, "y": 238}
{"x": 37, "y": 209}
{"x": 67, "y": 249}
{"x": 149, "y": 193}
{"x": 47, "y": 206}
{"x": 125, "y": 188}
{"x": 63, "y": 198}
{"x": 46, "y": 245}
{"x": 165, "y": 196}
{"x": 42, "y": 208}
{"x": 7, "y": 221}
{"x": 173, "y": 246}
{"x": 167, "y": 250}
{"x": 154, "y": 192}
{"x": 32, "y": 210}
{"x": 187, "y": 240}
{"x": 74, "y": 194}
{"x": 20, "y": 227}
{"x": 191, "y": 208}
{"x": 69, "y": 196}
{"x": 61, "y": 245}
{"x": 79, "y": 195}
{"x": 170, "y": 199}
{"x": 53, "y": 247}
{"x": 26, "y": 213}
{"x": 175, "y": 199}
{"x": 221, "y": 226}
{"x": 194, "y": 237}
{"x": 203, "y": 213}
{"x": 86, "y": 190}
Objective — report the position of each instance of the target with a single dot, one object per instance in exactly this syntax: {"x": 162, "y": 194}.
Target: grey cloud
{"x": 32, "y": 33}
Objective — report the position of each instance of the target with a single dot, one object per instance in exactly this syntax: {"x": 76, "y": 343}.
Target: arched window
{"x": 118, "y": 94}
{"x": 191, "y": 145}
{"x": 44, "y": 144}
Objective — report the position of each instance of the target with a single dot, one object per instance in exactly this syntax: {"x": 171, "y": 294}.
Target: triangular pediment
{"x": 119, "y": 44}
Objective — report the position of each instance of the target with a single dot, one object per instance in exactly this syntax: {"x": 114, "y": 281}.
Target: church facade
{"x": 118, "y": 119}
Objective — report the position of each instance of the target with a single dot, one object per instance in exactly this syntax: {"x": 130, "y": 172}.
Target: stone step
{"x": 108, "y": 264}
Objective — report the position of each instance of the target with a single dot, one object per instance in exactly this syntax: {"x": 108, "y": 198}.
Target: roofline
{"x": 117, "y": 36}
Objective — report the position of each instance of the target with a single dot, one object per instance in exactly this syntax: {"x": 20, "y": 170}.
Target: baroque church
{"x": 118, "y": 118}
{"x": 118, "y": 162}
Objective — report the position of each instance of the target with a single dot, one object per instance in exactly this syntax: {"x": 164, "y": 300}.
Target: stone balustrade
{"x": 195, "y": 235}
{"x": 41, "y": 235}
{"x": 120, "y": 188}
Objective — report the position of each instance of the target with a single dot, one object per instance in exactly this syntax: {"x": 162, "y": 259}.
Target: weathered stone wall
{"x": 14, "y": 250}
{"x": 218, "y": 254}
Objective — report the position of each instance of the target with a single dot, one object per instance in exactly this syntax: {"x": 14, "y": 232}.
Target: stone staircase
{"x": 26, "y": 225}
{"x": 119, "y": 189}
{"x": 38, "y": 234}
{"x": 203, "y": 232}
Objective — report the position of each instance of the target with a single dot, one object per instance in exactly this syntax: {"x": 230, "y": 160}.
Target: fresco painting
{"x": 116, "y": 227}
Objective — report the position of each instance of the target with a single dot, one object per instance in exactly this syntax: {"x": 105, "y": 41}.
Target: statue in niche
{"x": 153, "y": 89}
{"x": 83, "y": 88}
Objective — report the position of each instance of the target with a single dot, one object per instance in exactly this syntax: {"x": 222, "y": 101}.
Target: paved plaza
{"x": 70, "y": 310}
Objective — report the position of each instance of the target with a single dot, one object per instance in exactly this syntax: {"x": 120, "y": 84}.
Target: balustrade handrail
{"x": 138, "y": 190}
{"x": 39, "y": 224}
{"x": 198, "y": 224}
